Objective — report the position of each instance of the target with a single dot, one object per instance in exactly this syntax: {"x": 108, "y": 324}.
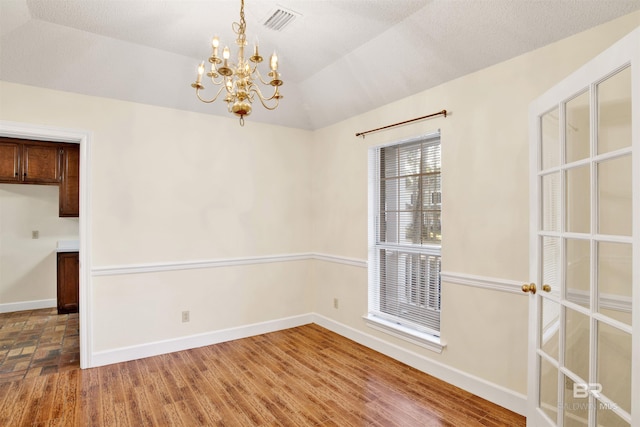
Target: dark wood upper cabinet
{"x": 41, "y": 163}
{"x": 24, "y": 161}
{"x": 70, "y": 184}
{"x": 10, "y": 160}
{"x": 29, "y": 162}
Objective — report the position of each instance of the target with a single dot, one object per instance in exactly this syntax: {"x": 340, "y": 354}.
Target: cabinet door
{"x": 41, "y": 163}
{"x": 68, "y": 282}
{"x": 70, "y": 184}
{"x": 9, "y": 161}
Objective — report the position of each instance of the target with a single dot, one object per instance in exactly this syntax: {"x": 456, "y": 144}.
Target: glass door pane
{"x": 578, "y": 199}
{"x": 577, "y": 280}
{"x": 551, "y": 202}
{"x": 549, "y": 389}
{"x": 613, "y": 361}
{"x": 577, "y": 331}
{"x": 550, "y": 144}
{"x": 575, "y": 409}
{"x": 614, "y": 280}
{"x": 577, "y": 129}
{"x": 550, "y": 329}
{"x": 606, "y": 417}
{"x": 614, "y": 112}
{"x": 614, "y": 196}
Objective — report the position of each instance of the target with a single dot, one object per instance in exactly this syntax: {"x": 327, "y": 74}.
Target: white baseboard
{"x": 495, "y": 393}
{"x": 10, "y": 307}
{"x": 125, "y": 354}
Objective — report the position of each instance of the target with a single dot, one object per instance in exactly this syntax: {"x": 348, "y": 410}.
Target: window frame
{"x": 401, "y": 328}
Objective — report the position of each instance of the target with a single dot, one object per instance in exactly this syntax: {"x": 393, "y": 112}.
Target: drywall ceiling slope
{"x": 339, "y": 58}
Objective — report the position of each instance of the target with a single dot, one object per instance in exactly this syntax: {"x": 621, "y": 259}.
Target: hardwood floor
{"x": 305, "y": 376}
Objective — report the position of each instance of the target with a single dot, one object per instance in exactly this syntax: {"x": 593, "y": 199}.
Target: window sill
{"x": 422, "y": 339}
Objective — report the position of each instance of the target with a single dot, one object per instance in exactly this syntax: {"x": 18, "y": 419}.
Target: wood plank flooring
{"x": 305, "y": 376}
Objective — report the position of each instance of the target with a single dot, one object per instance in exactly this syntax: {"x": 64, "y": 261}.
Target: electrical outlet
{"x": 185, "y": 316}
{"x": 335, "y": 303}
{"x": 35, "y": 234}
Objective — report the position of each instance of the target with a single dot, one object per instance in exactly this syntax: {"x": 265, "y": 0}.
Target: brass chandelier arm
{"x": 253, "y": 69}
{"x": 217, "y": 83}
{"x": 208, "y": 101}
{"x": 275, "y": 77}
{"x": 266, "y": 83}
{"x": 213, "y": 74}
{"x": 276, "y": 95}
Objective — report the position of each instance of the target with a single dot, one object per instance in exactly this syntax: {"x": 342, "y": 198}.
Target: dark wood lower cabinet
{"x": 68, "y": 282}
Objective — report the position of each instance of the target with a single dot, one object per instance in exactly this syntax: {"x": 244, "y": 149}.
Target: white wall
{"x": 28, "y": 266}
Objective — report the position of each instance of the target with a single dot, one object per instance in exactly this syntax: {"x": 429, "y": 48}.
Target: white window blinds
{"x": 405, "y": 285}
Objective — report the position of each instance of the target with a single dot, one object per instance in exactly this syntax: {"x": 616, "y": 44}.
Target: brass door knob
{"x": 546, "y": 288}
{"x": 531, "y": 287}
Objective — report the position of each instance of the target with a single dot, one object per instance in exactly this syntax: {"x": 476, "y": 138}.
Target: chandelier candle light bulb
{"x": 200, "y": 72}
{"x": 215, "y": 42}
{"x": 240, "y": 81}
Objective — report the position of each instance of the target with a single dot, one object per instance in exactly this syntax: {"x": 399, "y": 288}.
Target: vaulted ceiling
{"x": 338, "y": 58}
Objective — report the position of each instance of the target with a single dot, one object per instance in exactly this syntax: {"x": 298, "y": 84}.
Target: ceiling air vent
{"x": 280, "y": 19}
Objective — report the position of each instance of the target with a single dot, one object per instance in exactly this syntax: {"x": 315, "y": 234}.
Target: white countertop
{"x": 68, "y": 246}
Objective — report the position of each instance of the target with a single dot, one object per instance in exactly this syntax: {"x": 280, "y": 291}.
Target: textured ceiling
{"x": 338, "y": 58}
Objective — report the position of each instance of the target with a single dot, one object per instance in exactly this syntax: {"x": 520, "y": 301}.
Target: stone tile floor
{"x": 37, "y": 342}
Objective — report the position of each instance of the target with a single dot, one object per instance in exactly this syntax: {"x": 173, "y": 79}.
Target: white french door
{"x": 584, "y": 321}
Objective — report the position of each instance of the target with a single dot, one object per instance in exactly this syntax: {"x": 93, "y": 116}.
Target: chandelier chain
{"x": 242, "y": 26}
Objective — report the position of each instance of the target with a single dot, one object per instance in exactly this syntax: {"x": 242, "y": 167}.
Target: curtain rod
{"x": 439, "y": 113}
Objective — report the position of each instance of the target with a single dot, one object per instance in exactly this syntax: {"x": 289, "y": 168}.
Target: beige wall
{"x": 172, "y": 186}
{"x": 28, "y": 266}
{"x": 485, "y": 178}
{"x": 145, "y": 308}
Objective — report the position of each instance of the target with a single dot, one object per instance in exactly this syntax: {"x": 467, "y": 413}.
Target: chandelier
{"x": 239, "y": 81}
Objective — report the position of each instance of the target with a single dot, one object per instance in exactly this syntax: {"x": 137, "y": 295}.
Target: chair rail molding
{"x": 222, "y": 262}
{"x": 491, "y": 283}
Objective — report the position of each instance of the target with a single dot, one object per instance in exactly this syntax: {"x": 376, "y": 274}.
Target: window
{"x": 405, "y": 237}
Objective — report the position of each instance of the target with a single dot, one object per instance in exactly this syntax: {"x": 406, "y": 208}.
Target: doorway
{"x": 83, "y": 138}
{"x": 32, "y": 233}
{"x": 35, "y": 338}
